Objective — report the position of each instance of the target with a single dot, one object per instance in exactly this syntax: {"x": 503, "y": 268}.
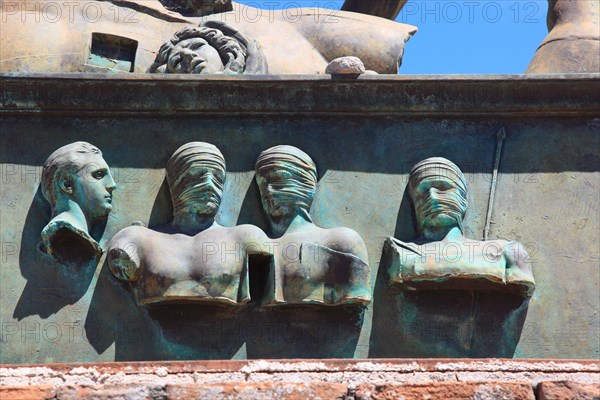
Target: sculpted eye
{"x": 197, "y": 45}
{"x": 99, "y": 174}
{"x": 443, "y": 186}
{"x": 174, "y": 61}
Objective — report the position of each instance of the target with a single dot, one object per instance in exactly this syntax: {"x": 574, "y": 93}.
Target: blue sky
{"x": 463, "y": 36}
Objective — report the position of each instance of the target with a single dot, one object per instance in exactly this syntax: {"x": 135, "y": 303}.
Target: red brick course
{"x": 306, "y": 379}
{"x": 568, "y": 390}
{"x": 259, "y": 391}
{"x": 447, "y": 391}
{"x": 42, "y": 392}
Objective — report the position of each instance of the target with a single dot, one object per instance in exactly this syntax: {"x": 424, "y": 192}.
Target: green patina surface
{"x": 365, "y": 136}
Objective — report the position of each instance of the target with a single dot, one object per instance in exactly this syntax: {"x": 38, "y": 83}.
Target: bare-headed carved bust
{"x": 311, "y": 265}
{"x": 193, "y": 258}
{"x": 443, "y": 257}
{"x": 78, "y": 184}
{"x": 209, "y": 50}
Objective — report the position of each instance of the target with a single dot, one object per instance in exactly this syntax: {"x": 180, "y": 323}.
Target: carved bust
{"x": 78, "y": 184}
{"x": 192, "y": 259}
{"x": 443, "y": 257}
{"x": 310, "y": 265}
{"x": 209, "y": 50}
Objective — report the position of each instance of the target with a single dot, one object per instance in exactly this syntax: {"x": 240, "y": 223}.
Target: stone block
{"x": 448, "y": 391}
{"x": 41, "y": 392}
{"x": 109, "y": 392}
{"x": 568, "y": 390}
{"x": 346, "y": 66}
{"x": 259, "y": 391}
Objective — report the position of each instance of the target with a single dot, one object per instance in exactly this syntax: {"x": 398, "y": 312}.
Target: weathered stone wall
{"x": 310, "y": 379}
{"x": 364, "y": 135}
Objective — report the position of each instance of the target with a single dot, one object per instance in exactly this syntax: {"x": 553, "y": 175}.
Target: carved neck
{"x": 289, "y": 225}
{"x": 70, "y": 212}
{"x": 438, "y": 234}
{"x": 192, "y": 225}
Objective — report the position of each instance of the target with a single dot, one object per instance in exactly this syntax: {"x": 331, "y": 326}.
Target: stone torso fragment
{"x": 310, "y": 264}
{"x": 193, "y": 259}
{"x": 442, "y": 258}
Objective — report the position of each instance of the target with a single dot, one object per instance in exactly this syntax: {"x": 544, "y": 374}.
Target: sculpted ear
{"x": 66, "y": 184}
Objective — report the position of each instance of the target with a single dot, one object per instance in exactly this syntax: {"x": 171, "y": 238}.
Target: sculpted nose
{"x": 186, "y": 57}
{"x": 210, "y": 179}
{"x": 111, "y": 185}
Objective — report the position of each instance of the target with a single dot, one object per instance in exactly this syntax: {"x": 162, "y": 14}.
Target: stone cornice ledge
{"x": 372, "y": 371}
{"x": 372, "y": 379}
{"x": 306, "y": 96}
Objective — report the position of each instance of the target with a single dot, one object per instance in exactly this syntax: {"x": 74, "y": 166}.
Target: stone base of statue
{"x": 448, "y": 270}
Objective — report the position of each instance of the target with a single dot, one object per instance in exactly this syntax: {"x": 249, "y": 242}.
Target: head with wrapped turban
{"x": 287, "y": 179}
{"x": 196, "y": 176}
{"x": 438, "y": 190}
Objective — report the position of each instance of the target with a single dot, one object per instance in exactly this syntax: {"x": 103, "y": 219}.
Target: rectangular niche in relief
{"x": 112, "y": 53}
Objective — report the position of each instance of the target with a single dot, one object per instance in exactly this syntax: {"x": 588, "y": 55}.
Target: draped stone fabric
{"x": 185, "y": 171}
{"x": 301, "y": 181}
{"x": 455, "y": 202}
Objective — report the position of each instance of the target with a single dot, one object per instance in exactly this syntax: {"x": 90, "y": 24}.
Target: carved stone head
{"x": 287, "y": 179}
{"x": 438, "y": 190}
{"x": 78, "y": 173}
{"x": 196, "y": 177}
{"x": 215, "y": 48}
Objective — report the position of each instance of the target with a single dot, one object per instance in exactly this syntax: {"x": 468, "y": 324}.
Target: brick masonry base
{"x": 307, "y": 379}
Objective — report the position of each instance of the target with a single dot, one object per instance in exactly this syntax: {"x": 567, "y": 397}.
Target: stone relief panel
{"x": 362, "y": 181}
{"x": 78, "y": 184}
{"x": 193, "y": 258}
{"x": 442, "y": 257}
{"x": 310, "y": 264}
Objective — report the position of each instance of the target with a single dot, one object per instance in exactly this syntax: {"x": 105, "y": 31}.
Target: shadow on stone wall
{"x": 188, "y": 332}
{"x": 50, "y": 286}
{"x": 444, "y": 323}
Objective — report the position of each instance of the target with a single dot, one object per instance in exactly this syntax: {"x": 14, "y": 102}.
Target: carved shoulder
{"x": 69, "y": 244}
{"x": 516, "y": 256}
{"x": 252, "y": 237}
{"x": 403, "y": 247}
{"x": 335, "y": 34}
{"x": 348, "y": 241}
{"x": 518, "y": 263}
{"x": 124, "y": 253}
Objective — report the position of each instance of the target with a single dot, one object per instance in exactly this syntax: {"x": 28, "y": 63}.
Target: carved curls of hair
{"x": 231, "y": 51}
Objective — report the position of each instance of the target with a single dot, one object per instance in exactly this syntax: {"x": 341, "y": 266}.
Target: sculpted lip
{"x": 197, "y": 65}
